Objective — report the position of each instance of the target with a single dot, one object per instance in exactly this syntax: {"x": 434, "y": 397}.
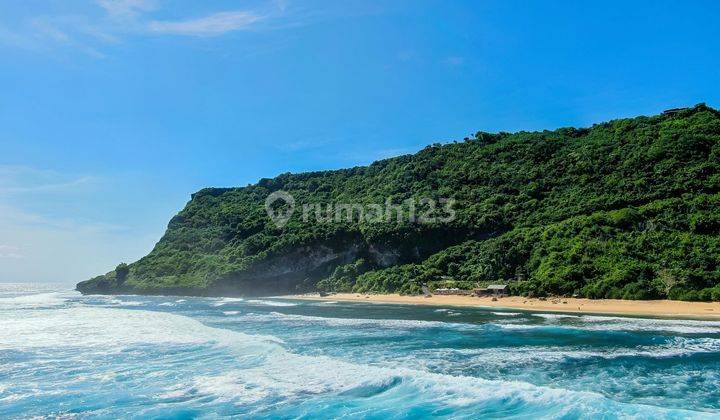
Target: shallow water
{"x": 62, "y": 354}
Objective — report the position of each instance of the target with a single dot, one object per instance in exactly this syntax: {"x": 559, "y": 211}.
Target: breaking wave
{"x": 270, "y": 302}
{"x": 110, "y": 328}
{"x": 353, "y": 322}
{"x": 33, "y": 301}
{"x": 614, "y": 323}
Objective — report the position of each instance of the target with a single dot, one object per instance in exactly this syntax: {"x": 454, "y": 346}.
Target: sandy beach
{"x": 655, "y": 308}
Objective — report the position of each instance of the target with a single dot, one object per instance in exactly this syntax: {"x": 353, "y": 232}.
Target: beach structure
{"x": 495, "y": 290}
{"x": 452, "y": 291}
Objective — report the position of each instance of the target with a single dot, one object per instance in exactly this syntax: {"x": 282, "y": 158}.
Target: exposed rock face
{"x": 293, "y": 272}
{"x": 383, "y": 256}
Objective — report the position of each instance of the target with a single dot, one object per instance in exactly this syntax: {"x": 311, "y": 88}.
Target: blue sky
{"x": 114, "y": 112}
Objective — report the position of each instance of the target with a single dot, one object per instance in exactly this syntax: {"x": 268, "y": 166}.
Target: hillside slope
{"x": 623, "y": 209}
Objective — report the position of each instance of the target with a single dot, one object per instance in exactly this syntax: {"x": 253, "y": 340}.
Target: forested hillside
{"x": 624, "y": 209}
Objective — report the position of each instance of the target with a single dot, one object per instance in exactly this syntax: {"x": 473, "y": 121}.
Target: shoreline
{"x": 640, "y": 308}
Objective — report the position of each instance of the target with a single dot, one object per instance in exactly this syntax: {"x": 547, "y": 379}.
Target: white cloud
{"x": 23, "y": 179}
{"x": 7, "y": 251}
{"x": 43, "y": 28}
{"x": 16, "y": 40}
{"x": 46, "y": 33}
{"x": 127, "y": 8}
{"x": 215, "y": 24}
{"x": 23, "y": 187}
{"x": 56, "y": 187}
{"x": 94, "y": 31}
{"x": 21, "y": 218}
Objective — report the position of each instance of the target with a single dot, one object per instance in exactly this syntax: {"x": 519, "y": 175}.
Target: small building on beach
{"x": 495, "y": 290}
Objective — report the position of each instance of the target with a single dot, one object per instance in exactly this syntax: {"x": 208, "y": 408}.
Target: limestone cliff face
{"x": 291, "y": 272}
{"x": 297, "y": 270}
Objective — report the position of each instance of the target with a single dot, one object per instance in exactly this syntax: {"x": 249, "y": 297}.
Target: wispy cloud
{"x": 16, "y": 39}
{"x": 57, "y": 187}
{"x": 7, "y": 251}
{"x": 93, "y": 31}
{"x": 22, "y": 218}
{"x": 23, "y": 179}
{"x": 46, "y": 34}
{"x": 23, "y": 187}
{"x": 212, "y": 25}
{"x": 127, "y": 8}
{"x": 42, "y": 28}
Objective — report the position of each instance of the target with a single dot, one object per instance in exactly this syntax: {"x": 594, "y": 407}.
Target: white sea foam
{"x": 33, "y": 301}
{"x": 511, "y": 323}
{"x": 287, "y": 376}
{"x": 615, "y": 323}
{"x": 131, "y": 303}
{"x": 270, "y": 302}
{"x": 555, "y": 316}
{"x": 681, "y": 325}
{"x": 231, "y": 312}
{"x": 110, "y": 329}
{"x": 33, "y": 288}
{"x": 449, "y": 312}
{"x": 225, "y": 301}
{"x": 588, "y": 323}
{"x": 352, "y": 322}
{"x": 519, "y": 355}
{"x": 112, "y": 300}
{"x": 659, "y": 327}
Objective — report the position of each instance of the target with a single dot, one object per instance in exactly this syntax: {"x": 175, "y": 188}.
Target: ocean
{"x": 71, "y": 356}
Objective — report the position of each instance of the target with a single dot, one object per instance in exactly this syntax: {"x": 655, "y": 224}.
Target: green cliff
{"x": 624, "y": 209}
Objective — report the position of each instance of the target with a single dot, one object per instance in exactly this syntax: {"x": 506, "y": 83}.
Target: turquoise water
{"x": 62, "y": 354}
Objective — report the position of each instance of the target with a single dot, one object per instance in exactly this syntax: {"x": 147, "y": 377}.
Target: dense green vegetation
{"x": 625, "y": 209}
